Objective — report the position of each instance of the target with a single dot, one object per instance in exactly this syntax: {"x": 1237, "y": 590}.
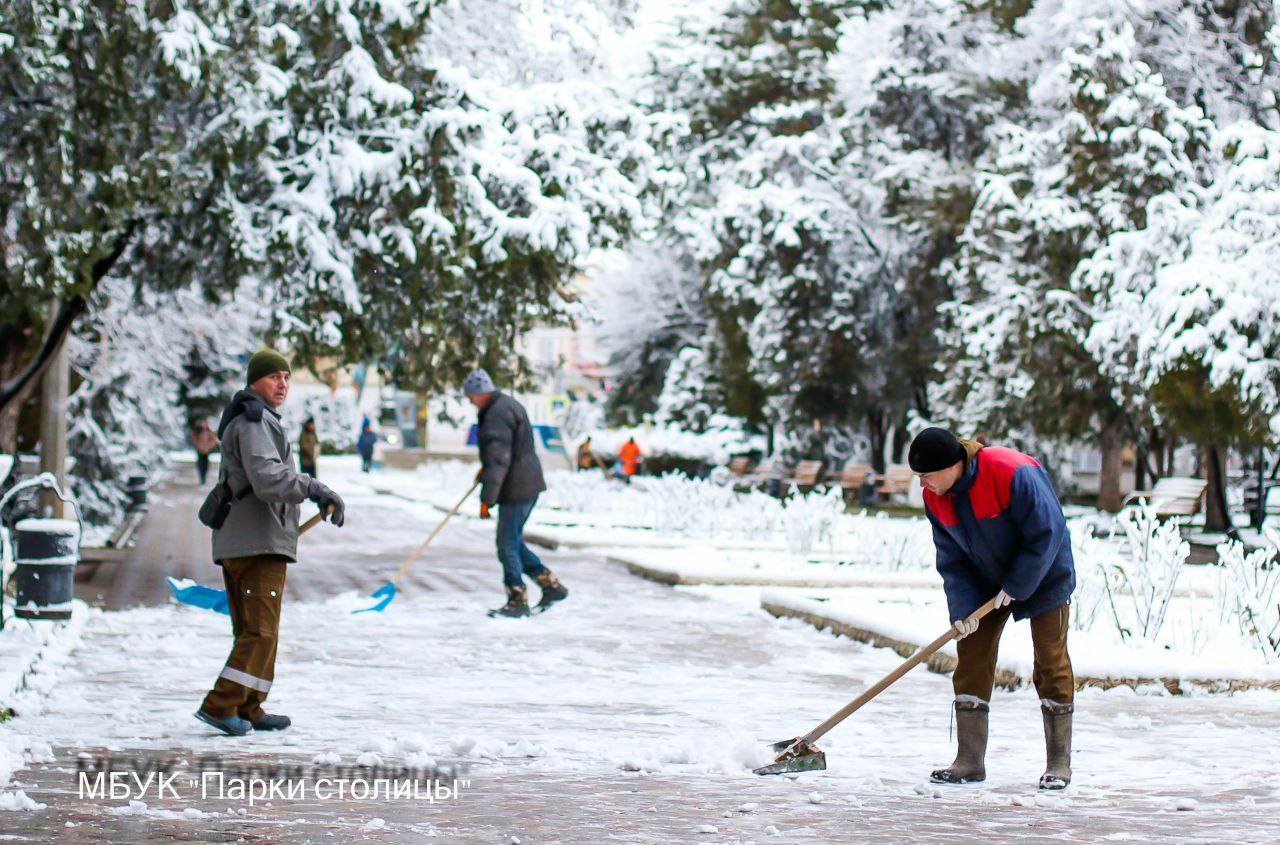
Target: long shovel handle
{"x": 418, "y": 551}
{"x": 313, "y": 522}
{"x": 888, "y": 680}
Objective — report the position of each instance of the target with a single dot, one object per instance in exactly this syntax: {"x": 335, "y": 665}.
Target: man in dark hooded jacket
{"x": 255, "y": 543}
{"x": 999, "y": 531}
{"x": 511, "y": 479}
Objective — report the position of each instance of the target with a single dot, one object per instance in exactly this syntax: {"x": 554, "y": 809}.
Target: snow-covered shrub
{"x": 1249, "y": 596}
{"x": 1141, "y": 573}
{"x": 886, "y": 542}
{"x": 592, "y": 492}
{"x": 689, "y": 506}
{"x": 1091, "y": 592}
{"x": 807, "y": 520}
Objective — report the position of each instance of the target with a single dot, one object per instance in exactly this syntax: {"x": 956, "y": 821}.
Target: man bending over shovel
{"x": 999, "y": 531}
{"x": 258, "y": 538}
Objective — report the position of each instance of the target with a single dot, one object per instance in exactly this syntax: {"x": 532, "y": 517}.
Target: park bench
{"x": 1173, "y": 496}
{"x": 757, "y": 477}
{"x": 853, "y": 475}
{"x": 896, "y": 480}
{"x": 806, "y": 476}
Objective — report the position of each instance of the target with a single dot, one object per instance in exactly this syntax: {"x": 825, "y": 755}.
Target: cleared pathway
{"x": 631, "y": 714}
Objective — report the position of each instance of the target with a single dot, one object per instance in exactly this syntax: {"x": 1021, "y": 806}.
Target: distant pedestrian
{"x": 308, "y": 447}
{"x": 586, "y": 457}
{"x": 256, "y": 541}
{"x": 629, "y": 459}
{"x": 364, "y": 445}
{"x": 205, "y": 442}
{"x": 511, "y": 479}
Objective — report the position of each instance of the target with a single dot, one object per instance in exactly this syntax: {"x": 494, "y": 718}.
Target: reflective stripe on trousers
{"x": 244, "y": 679}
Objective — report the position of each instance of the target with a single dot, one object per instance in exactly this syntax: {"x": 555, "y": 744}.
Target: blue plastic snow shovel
{"x": 387, "y": 591}
{"x": 210, "y": 598}
{"x": 198, "y": 595}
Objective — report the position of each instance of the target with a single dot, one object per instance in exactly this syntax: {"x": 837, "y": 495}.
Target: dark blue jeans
{"x": 516, "y": 557}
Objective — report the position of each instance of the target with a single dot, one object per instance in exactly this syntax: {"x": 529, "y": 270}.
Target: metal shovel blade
{"x": 198, "y": 595}
{"x": 386, "y": 593}
{"x": 794, "y": 755}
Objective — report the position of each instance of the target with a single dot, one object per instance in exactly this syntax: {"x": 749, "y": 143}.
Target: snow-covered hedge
{"x": 1135, "y": 587}
{"x": 723, "y": 439}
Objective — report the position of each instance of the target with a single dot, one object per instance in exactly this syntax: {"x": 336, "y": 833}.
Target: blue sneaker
{"x": 230, "y": 725}
{"x": 271, "y": 722}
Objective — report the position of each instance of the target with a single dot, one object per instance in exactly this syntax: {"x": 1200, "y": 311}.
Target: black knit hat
{"x": 265, "y": 362}
{"x": 935, "y": 449}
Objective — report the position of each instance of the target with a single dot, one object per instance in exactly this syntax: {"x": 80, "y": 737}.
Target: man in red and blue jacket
{"x": 999, "y": 532}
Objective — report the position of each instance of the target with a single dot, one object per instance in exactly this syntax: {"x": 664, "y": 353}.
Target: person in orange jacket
{"x": 629, "y": 457}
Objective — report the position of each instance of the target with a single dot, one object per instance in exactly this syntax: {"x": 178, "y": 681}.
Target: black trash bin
{"x": 46, "y": 552}
{"x": 137, "y": 490}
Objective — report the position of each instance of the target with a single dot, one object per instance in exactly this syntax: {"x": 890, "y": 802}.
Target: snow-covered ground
{"x": 1138, "y": 603}
{"x": 628, "y": 689}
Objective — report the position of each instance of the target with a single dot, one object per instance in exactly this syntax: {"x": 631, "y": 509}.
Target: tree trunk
{"x": 16, "y": 342}
{"x": 1140, "y": 470}
{"x": 901, "y": 443}
{"x": 1216, "y": 518}
{"x": 876, "y": 434}
{"x": 1109, "y": 498}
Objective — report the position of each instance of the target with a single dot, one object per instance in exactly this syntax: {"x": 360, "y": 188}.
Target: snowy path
{"x": 631, "y": 713}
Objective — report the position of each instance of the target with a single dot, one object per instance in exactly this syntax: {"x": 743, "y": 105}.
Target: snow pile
{"x": 33, "y": 654}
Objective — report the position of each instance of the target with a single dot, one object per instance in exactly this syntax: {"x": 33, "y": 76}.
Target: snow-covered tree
{"x": 407, "y": 191}
{"x": 111, "y": 161}
{"x": 1186, "y": 306}
{"x": 649, "y": 305}
{"x": 135, "y": 394}
{"x": 812, "y": 318}
{"x": 1110, "y": 140}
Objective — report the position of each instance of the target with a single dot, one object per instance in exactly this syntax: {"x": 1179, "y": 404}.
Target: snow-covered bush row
{"x": 723, "y": 438}
{"x": 1133, "y": 580}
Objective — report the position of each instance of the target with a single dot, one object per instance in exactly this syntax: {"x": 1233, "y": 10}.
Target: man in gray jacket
{"x": 511, "y": 479}
{"x": 255, "y": 543}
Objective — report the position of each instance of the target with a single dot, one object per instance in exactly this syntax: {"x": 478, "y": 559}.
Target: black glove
{"x": 326, "y": 498}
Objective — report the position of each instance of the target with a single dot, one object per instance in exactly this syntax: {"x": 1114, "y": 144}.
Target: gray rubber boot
{"x": 971, "y": 733}
{"x": 1057, "y": 744}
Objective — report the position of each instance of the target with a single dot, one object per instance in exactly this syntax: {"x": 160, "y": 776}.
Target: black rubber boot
{"x": 552, "y": 590}
{"x": 517, "y": 603}
{"x": 1057, "y": 744}
{"x": 971, "y": 754}
{"x": 271, "y": 722}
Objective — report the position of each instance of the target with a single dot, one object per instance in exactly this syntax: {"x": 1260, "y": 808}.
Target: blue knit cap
{"x": 478, "y": 381}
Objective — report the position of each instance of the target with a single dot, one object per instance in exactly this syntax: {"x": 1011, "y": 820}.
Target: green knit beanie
{"x": 265, "y": 362}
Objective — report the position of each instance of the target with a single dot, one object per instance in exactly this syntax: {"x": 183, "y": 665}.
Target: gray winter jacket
{"x": 256, "y": 458}
{"x": 511, "y": 471}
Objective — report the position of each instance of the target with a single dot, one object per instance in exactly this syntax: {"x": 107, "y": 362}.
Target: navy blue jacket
{"x": 1001, "y": 527}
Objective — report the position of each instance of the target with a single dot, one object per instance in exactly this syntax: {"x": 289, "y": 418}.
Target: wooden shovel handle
{"x": 313, "y": 521}
{"x": 888, "y": 680}
{"x": 418, "y": 551}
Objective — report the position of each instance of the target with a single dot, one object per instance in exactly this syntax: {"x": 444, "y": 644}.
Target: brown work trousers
{"x": 255, "y": 592}
{"x": 975, "y": 673}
